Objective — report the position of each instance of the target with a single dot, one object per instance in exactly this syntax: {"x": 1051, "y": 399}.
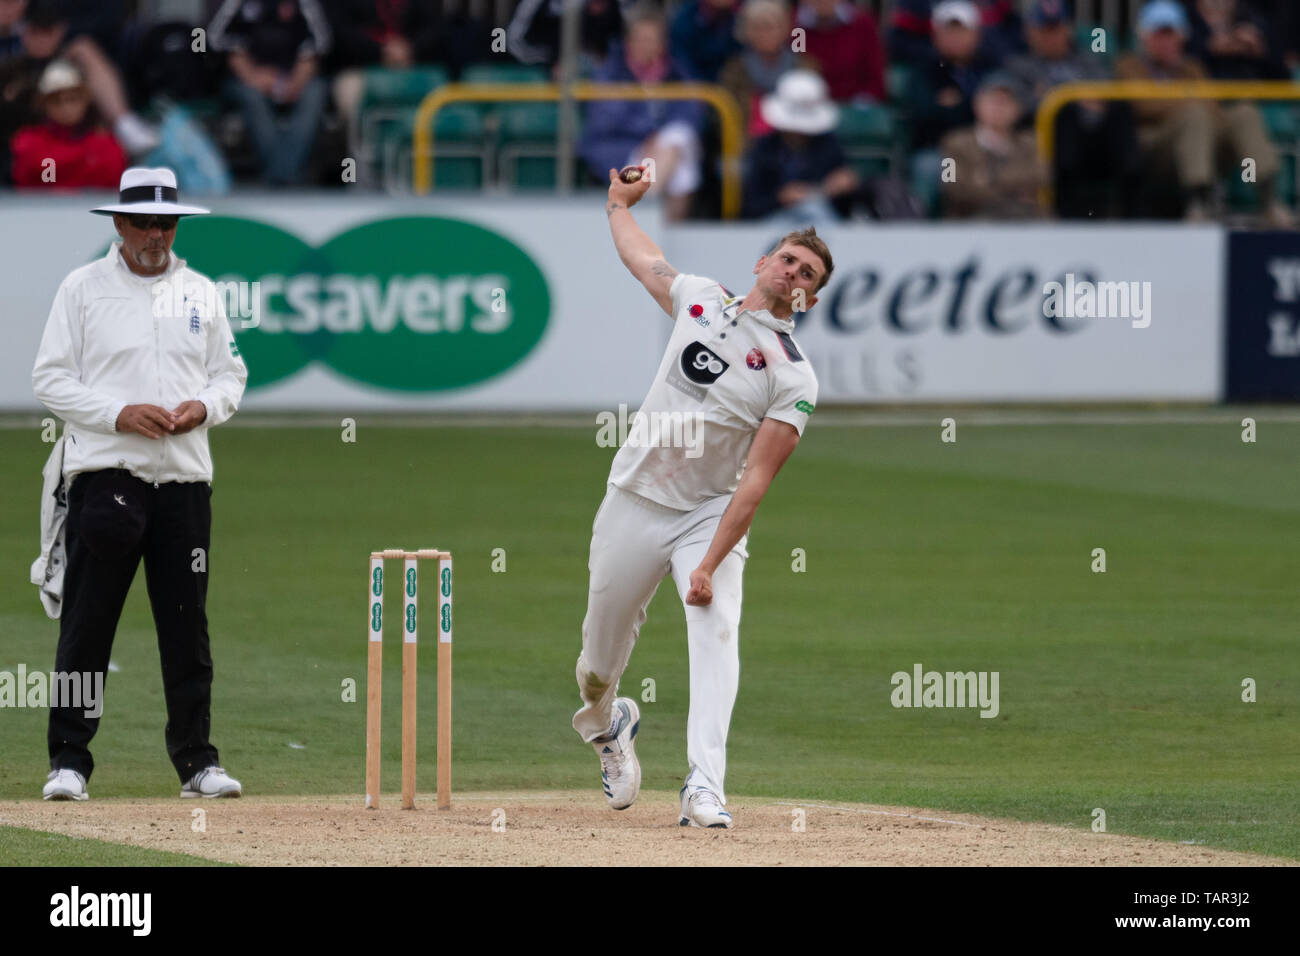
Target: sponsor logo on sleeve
{"x": 805, "y": 407}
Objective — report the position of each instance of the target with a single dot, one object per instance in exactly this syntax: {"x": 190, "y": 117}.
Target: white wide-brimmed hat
{"x": 145, "y": 190}
{"x": 800, "y": 104}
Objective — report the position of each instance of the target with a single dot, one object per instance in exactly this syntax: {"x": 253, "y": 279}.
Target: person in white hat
{"x": 800, "y": 171}
{"x": 71, "y": 149}
{"x": 139, "y": 361}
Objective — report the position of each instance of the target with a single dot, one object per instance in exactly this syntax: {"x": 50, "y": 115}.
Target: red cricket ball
{"x": 630, "y": 174}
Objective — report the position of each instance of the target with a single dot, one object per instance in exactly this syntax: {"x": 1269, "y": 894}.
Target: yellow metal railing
{"x": 1058, "y": 97}
{"x": 716, "y": 96}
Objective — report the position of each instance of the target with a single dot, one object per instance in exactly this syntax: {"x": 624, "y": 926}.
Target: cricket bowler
{"x": 732, "y": 364}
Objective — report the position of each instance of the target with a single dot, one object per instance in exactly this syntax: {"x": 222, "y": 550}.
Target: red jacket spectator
{"x": 83, "y": 159}
{"x": 845, "y": 42}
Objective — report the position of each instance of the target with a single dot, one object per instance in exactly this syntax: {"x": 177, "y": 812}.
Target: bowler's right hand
{"x": 151, "y": 421}
{"x": 627, "y": 194}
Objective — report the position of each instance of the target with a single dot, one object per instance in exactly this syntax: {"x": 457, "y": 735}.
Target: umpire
{"x": 139, "y": 361}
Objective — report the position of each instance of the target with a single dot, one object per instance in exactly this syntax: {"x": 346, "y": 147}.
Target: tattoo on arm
{"x": 609, "y": 209}
{"x": 661, "y": 268}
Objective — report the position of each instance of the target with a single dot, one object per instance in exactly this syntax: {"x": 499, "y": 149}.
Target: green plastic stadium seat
{"x": 455, "y": 122}
{"x": 1282, "y": 121}
{"x": 457, "y": 172}
{"x": 500, "y": 73}
{"x": 897, "y": 78}
{"x": 870, "y": 135}
{"x": 401, "y": 87}
{"x": 504, "y": 73}
{"x": 871, "y": 167}
{"x": 529, "y": 121}
{"x": 866, "y": 125}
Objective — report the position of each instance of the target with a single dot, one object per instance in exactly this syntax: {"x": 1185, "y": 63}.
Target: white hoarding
{"x": 511, "y": 304}
{"x": 959, "y": 312}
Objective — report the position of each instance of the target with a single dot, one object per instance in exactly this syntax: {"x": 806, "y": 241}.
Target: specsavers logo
{"x": 413, "y": 304}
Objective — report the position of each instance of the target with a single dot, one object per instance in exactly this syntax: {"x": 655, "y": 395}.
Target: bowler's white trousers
{"x": 635, "y": 543}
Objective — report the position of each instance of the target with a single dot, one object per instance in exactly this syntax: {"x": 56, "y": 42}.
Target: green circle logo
{"x": 413, "y": 304}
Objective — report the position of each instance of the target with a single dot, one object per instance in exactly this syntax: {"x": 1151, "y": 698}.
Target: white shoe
{"x": 702, "y": 808}
{"x": 65, "y": 785}
{"x": 620, "y": 773}
{"x": 212, "y": 782}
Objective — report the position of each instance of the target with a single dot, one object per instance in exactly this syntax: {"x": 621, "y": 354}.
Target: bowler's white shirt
{"x": 106, "y": 346}
{"x": 733, "y": 368}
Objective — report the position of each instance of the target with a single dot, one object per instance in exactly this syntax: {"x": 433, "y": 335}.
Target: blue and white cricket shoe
{"x": 620, "y": 773}
{"x": 702, "y": 808}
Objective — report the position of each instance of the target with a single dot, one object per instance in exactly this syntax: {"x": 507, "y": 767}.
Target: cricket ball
{"x": 630, "y": 174}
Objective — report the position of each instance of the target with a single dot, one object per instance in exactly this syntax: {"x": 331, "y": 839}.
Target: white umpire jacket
{"x": 114, "y": 338}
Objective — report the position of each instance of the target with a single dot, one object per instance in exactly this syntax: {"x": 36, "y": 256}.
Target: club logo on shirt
{"x": 755, "y": 360}
{"x": 697, "y": 313}
{"x": 698, "y": 368}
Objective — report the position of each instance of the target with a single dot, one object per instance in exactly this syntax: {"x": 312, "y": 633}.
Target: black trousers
{"x": 114, "y": 519}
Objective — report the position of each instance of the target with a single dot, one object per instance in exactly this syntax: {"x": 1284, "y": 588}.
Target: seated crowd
{"x": 90, "y": 86}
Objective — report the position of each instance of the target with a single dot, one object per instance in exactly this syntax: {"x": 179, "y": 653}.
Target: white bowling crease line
{"x": 885, "y": 813}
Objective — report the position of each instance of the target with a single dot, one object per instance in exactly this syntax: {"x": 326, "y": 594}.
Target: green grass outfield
{"x": 21, "y": 847}
{"x": 1119, "y": 690}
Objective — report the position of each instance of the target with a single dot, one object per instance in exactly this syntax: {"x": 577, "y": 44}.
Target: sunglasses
{"x": 165, "y": 223}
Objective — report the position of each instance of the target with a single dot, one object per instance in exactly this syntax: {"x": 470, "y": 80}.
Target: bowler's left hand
{"x": 700, "y": 593}
{"x": 187, "y": 416}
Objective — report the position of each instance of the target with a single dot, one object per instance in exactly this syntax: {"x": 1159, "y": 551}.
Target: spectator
{"x": 940, "y": 92}
{"x": 844, "y": 40}
{"x": 998, "y": 173}
{"x": 534, "y": 33}
{"x": 618, "y": 133}
{"x": 1283, "y": 18}
{"x": 397, "y": 35}
{"x": 274, "y": 60}
{"x": 47, "y": 33}
{"x": 103, "y": 21}
{"x": 911, "y": 29}
{"x": 11, "y": 15}
{"x": 71, "y": 150}
{"x": 764, "y": 29}
{"x": 1234, "y": 44}
{"x": 798, "y": 172}
{"x": 1187, "y": 137}
{"x": 1095, "y": 140}
{"x": 704, "y": 36}
{"x": 44, "y": 35}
